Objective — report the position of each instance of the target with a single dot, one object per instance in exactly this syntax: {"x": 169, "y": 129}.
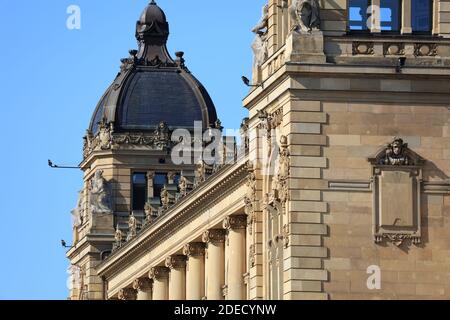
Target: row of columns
{"x": 212, "y": 269}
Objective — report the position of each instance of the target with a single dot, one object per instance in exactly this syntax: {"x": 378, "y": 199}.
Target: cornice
{"x": 188, "y": 208}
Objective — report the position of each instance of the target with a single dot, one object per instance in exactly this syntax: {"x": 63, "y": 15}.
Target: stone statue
{"x": 132, "y": 227}
{"x": 118, "y": 236}
{"x": 305, "y": 15}
{"x": 396, "y": 154}
{"x": 165, "y": 198}
{"x": 105, "y": 135}
{"x": 77, "y": 213}
{"x": 259, "y": 45}
{"x": 100, "y": 197}
{"x": 162, "y": 136}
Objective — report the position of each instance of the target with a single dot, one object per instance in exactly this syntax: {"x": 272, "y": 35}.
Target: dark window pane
{"x": 358, "y": 14}
{"x": 390, "y": 15}
{"x": 159, "y": 181}
{"x": 421, "y": 15}
{"x": 139, "y": 191}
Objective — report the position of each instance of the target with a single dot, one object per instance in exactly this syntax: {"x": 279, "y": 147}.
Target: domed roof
{"x": 153, "y": 13}
{"x": 151, "y": 87}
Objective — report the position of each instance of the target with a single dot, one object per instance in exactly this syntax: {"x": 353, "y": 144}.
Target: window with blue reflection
{"x": 139, "y": 190}
{"x": 421, "y": 13}
{"x": 358, "y": 14}
{"x": 390, "y": 15}
{"x": 159, "y": 180}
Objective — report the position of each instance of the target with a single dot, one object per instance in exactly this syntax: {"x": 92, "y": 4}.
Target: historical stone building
{"x": 339, "y": 189}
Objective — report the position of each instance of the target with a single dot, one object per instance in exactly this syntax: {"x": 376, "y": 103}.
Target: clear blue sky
{"x": 51, "y": 80}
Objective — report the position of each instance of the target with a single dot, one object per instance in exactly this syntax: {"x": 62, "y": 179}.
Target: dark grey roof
{"x": 152, "y": 87}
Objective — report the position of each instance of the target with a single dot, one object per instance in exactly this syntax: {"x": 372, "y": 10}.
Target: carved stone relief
{"x": 100, "y": 195}
{"x": 396, "y": 181}
{"x": 305, "y": 15}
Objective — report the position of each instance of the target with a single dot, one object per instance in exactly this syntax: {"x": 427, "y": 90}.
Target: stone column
{"x": 236, "y": 255}
{"x": 150, "y": 191}
{"x": 127, "y": 294}
{"x": 143, "y": 286}
{"x": 214, "y": 263}
{"x": 160, "y": 276}
{"x": 406, "y": 26}
{"x": 195, "y": 270}
{"x": 177, "y": 277}
{"x": 375, "y": 17}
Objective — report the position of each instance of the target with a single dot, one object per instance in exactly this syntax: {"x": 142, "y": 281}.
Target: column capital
{"x": 142, "y": 284}
{"x": 127, "y": 294}
{"x": 214, "y": 236}
{"x": 158, "y": 272}
{"x": 176, "y": 262}
{"x": 150, "y": 175}
{"x": 194, "y": 249}
{"x": 235, "y": 222}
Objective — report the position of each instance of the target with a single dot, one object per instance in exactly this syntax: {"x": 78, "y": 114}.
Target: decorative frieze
{"x": 107, "y": 139}
{"x": 362, "y": 48}
{"x": 250, "y": 198}
{"x": 393, "y": 49}
{"x": 425, "y": 49}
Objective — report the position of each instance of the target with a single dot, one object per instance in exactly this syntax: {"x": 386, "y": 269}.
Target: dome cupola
{"x": 151, "y": 87}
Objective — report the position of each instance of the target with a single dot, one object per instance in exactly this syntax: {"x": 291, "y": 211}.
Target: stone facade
{"x": 320, "y": 196}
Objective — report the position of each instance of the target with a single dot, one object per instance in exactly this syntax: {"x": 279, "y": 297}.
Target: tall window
{"x": 159, "y": 181}
{"x": 390, "y": 15}
{"x": 358, "y": 14}
{"x": 421, "y": 15}
{"x": 139, "y": 191}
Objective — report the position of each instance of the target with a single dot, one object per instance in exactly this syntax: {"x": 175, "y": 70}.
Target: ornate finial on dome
{"x": 152, "y": 31}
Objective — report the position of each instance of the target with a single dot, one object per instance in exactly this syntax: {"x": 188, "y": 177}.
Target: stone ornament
{"x": 280, "y": 188}
{"x": 176, "y": 262}
{"x": 214, "y": 236}
{"x": 259, "y": 45}
{"x": 142, "y": 284}
{"x": 127, "y": 294}
{"x": 305, "y": 15}
{"x": 194, "y": 249}
{"x": 425, "y": 49}
{"x": 106, "y": 139}
{"x": 393, "y": 49}
{"x": 118, "y": 237}
{"x": 100, "y": 195}
{"x": 235, "y": 222}
{"x": 162, "y": 136}
{"x": 132, "y": 227}
{"x": 158, "y": 272}
{"x": 396, "y": 185}
{"x": 362, "y": 48}
{"x": 105, "y": 135}
{"x": 250, "y": 198}
{"x": 397, "y": 153}
{"x": 78, "y": 212}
